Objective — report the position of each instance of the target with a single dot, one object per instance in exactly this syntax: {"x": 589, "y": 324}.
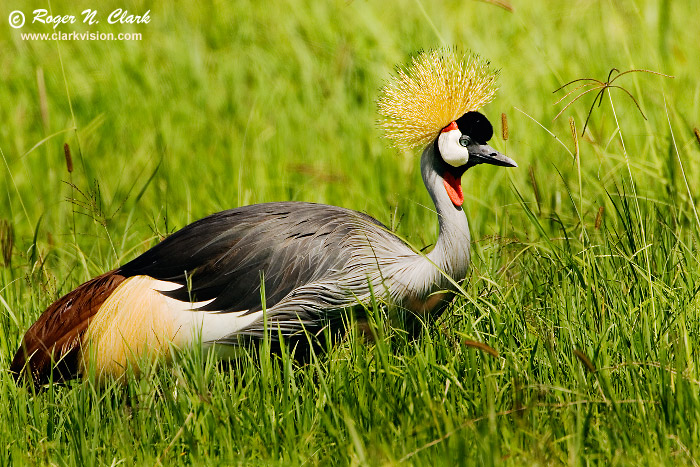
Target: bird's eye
{"x": 465, "y": 141}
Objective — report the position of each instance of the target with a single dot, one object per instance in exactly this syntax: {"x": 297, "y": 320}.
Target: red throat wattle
{"x": 453, "y": 187}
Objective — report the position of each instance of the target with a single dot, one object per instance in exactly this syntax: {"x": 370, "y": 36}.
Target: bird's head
{"x": 461, "y": 145}
{"x": 432, "y": 104}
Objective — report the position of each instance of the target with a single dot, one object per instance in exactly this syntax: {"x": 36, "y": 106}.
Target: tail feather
{"x": 50, "y": 349}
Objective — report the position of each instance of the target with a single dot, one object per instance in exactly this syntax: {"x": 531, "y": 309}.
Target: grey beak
{"x": 485, "y": 154}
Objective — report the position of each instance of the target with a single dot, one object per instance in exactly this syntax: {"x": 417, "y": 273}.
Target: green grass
{"x": 594, "y": 317}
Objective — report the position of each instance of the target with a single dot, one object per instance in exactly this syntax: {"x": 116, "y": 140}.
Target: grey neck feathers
{"x": 451, "y": 252}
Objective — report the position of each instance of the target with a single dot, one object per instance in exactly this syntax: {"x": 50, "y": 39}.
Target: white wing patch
{"x": 193, "y": 325}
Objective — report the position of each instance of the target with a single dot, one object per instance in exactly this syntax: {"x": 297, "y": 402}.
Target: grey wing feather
{"x": 301, "y": 249}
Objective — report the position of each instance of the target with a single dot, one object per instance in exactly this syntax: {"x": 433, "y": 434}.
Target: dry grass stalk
{"x": 505, "y": 4}
{"x": 481, "y": 346}
{"x": 536, "y": 189}
{"x": 585, "y": 360}
{"x": 43, "y": 102}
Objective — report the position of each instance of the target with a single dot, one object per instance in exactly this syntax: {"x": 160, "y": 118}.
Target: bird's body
{"x": 206, "y": 282}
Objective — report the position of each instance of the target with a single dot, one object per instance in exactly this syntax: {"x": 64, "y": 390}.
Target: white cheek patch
{"x": 450, "y": 150}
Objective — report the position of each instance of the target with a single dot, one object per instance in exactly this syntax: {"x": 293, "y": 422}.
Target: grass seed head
{"x": 599, "y": 217}
{"x": 574, "y": 134}
{"x": 436, "y": 88}
{"x": 7, "y": 241}
{"x": 69, "y": 159}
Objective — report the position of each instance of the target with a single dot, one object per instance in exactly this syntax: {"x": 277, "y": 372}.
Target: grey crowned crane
{"x": 204, "y": 281}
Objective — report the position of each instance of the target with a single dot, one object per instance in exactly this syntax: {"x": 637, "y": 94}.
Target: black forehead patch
{"x": 476, "y": 126}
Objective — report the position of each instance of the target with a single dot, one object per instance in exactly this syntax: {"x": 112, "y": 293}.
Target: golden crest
{"x": 438, "y": 87}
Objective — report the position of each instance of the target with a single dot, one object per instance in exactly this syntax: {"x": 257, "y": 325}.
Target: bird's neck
{"x": 451, "y": 252}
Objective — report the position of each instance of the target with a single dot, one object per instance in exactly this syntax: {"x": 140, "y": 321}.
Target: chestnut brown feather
{"x": 51, "y": 348}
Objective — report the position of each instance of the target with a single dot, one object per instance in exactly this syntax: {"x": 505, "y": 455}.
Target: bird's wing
{"x": 223, "y": 258}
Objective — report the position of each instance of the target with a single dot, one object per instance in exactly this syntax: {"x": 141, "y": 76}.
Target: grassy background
{"x": 585, "y": 277}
